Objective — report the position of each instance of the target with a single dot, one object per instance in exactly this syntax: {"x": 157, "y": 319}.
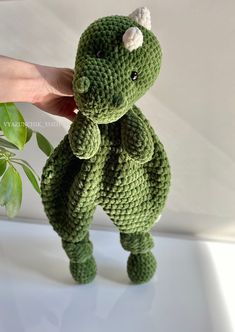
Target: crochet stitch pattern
{"x": 111, "y": 156}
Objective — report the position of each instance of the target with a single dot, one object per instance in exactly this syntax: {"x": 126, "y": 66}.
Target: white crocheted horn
{"x": 142, "y": 16}
{"x": 132, "y": 39}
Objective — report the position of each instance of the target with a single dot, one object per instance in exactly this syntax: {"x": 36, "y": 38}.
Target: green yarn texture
{"x": 111, "y": 156}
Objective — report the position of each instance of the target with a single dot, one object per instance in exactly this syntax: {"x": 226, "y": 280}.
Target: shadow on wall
{"x": 201, "y": 196}
{"x": 200, "y": 225}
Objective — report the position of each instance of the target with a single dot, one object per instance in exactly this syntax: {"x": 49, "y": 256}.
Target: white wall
{"x": 191, "y": 106}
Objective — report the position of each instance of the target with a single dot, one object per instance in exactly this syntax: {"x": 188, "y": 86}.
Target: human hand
{"x": 48, "y": 88}
{"x": 56, "y": 95}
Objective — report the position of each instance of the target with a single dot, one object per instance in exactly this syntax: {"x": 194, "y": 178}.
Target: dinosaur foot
{"x": 84, "y": 272}
{"x": 141, "y": 267}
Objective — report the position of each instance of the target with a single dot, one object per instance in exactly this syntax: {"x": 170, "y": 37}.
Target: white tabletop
{"x": 191, "y": 292}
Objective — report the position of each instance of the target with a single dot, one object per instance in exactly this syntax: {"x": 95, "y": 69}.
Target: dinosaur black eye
{"x": 100, "y": 54}
{"x": 134, "y": 75}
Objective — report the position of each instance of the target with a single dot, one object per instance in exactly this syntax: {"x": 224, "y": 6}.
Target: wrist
{"x": 30, "y": 85}
{"x": 21, "y": 81}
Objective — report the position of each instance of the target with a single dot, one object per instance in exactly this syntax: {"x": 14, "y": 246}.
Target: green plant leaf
{"x": 30, "y": 175}
{"x": 19, "y": 161}
{"x": 6, "y": 144}
{"x": 6, "y": 153}
{"x": 11, "y": 191}
{"x": 32, "y": 178}
{"x": 13, "y": 124}
{"x": 29, "y": 134}
{"x": 44, "y": 144}
{"x": 3, "y": 165}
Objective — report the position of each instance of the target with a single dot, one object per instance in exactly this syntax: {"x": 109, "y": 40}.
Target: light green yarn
{"x": 111, "y": 155}
{"x": 137, "y": 243}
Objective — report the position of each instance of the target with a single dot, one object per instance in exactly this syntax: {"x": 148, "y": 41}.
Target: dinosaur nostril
{"x": 117, "y": 100}
{"x": 83, "y": 84}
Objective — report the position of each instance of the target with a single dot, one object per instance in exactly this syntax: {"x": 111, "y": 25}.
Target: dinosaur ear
{"x": 132, "y": 39}
{"x": 142, "y": 16}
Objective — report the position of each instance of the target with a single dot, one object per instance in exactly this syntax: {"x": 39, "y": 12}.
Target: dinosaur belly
{"x": 132, "y": 194}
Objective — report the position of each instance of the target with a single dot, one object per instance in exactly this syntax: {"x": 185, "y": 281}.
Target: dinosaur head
{"x": 118, "y": 59}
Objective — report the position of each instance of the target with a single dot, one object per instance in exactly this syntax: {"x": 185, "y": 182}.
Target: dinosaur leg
{"x": 78, "y": 246}
{"x": 80, "y": 207}
{"x": 82, "y": 262}
{"x": 141, "y": 264}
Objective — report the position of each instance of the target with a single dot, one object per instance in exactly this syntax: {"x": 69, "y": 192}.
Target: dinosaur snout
{"x": 117, "y": 100}
{"x": 83, "y": 84}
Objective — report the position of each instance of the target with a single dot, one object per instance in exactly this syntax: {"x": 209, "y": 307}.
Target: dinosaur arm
{"x": 84, "y": 137}
{"x": 136, "y": 137}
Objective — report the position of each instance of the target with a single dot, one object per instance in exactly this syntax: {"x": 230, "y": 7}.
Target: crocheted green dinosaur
{"x": 111, "y": 155}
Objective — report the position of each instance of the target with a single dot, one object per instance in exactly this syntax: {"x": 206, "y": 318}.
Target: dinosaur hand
{"x": 136, "y": 138}
{"x": 84, "y": 137}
